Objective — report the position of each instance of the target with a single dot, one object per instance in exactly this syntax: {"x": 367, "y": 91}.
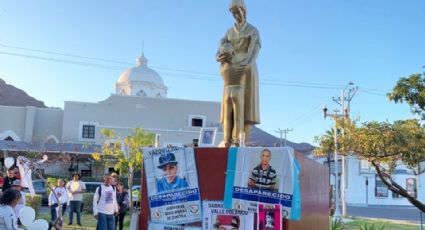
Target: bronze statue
{"x": 237, "y": 54}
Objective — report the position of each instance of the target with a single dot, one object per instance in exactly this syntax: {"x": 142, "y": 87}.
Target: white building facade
{"x": 140, "y": 101}
{"x": 364, "y": 187}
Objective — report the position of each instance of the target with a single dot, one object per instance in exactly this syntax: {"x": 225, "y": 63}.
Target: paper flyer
{"x": 215, "y": 216}
{"x": 172, "y": 184}
{"x": 268, "y": 217}
{"x": 155, "y": 226}
{"x": 260, "y": 176}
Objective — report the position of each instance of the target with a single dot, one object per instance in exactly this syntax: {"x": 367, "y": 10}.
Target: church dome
{"x": 141, "y": 73}
{"x": 141, "y": 81}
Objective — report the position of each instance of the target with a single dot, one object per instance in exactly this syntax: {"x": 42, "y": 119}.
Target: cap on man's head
{"x": 227, "y": 220}
{"x": 16, "y": 183}
{"x": 167, "y": 158}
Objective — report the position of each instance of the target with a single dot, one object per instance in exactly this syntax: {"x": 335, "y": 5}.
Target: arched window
{"x": 9, "y": 135}
{"x": 141, "y": 93}
{"x": 51, "y": 139}
{"x": 158, "y": 95}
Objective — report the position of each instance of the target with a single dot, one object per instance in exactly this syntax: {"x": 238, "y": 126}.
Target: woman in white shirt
{"x": 8, "y": 201}
{"x": 61, "y": 192}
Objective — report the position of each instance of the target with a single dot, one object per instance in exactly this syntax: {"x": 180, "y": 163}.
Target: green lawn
{"x": 87, "y": 220}
{"x": 355, "y": 225}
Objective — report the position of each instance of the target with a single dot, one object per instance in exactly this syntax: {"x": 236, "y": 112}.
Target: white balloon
{"x": 9, "y": 161}
{"x": 26, "y": 216}
{"x": 62, "y": 199}
{"x": 75, "y": 186}
{"x": 39, "y": 224}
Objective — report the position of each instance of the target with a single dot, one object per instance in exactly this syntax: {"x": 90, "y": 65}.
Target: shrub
{"x": 34, "y": 203}
{"x": 88, "y": 202}
{"x": 336, "y": 225}
{"x": 371, "y": 227}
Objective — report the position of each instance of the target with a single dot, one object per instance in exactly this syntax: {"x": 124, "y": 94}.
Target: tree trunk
{"x": 130, "y": 185}
{"x": 396, "y": 188}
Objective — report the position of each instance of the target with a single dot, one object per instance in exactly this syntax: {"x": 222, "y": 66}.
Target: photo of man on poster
{"x": 225, "y": 222}
{"x": 263, "y": 176}
{"x": 170, "y": 180}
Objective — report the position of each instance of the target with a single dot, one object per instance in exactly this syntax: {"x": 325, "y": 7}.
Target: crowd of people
{"x": 110, "y": 201}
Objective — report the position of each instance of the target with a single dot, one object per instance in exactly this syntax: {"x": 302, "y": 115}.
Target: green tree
{"x": 412, "y": 91}
{"x": 126, "y": 151}
{"x": 385, "y": 145}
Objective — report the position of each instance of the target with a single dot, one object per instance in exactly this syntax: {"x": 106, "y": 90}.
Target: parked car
{"x": 135, "y": 193}
{"x": 40, "y": 189}
{"x": 91, "y": 186}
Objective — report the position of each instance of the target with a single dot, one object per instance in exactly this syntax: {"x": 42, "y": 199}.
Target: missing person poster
{"x": 215, "y": 216}
{"x": 268, "y": 217}
{"x": 155, "y": 226}
{"x": 260, "y": 176}
{"x": 172, "y": 184}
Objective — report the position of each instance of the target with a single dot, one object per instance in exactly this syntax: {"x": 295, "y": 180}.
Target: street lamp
{"x": 335, "y": 115}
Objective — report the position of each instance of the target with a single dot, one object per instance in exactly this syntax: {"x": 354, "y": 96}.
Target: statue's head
{"x": 237, "y": 3}
{"x": 238, "y": 9}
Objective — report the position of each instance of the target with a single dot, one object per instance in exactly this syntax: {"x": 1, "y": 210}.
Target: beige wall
{"x": 31, "y": 124}
{"x": 13, "y": 118}
{"x": 47, "y": 122}
{"x": 169, "y": 117}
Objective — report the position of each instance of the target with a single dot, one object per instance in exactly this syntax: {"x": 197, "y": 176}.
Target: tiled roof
{"x": 20, "y": 146}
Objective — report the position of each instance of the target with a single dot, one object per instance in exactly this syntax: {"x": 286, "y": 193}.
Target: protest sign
{"x": 216, "y": 216}
{"x": 268, "y": 217}
{"x": 260, "y": 176}
{"x": 172, "y": 184}
{"x": 156, "y": 226}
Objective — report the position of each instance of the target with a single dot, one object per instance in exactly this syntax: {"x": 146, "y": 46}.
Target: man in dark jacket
{"x": 8, "y": 181}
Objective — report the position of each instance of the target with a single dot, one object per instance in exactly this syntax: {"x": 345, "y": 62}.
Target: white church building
{"x": 140, "y": 100}
{"x": 363, "y": 187}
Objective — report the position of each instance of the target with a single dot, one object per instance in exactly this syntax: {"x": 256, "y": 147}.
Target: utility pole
{"x": 346, "y": 96}
{"x": 283, "y": 131}
{"x": 335, "y": 115}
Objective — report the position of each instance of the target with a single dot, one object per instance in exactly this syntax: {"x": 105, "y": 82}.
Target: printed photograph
{"x": 269, "y": 217}
{"x": 170, "y": 172}
{"x": 207, "y": 137}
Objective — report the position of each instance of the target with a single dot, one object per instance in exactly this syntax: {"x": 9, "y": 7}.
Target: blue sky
{"x": 310, "y": 50}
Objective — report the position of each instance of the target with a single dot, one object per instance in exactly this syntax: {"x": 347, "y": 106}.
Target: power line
{"x": 187, "y": 73}
{"x": 63, "y": 61}
{"x": 272, "y": 81}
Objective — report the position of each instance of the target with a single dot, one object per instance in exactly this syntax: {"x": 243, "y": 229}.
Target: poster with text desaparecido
{"x": 172, "y": 184}
{"x": 260, "y": 176}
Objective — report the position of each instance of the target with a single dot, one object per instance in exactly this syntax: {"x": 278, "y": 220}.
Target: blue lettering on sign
{"x": 174, "y": 197}
{"x": 262, "y": 196}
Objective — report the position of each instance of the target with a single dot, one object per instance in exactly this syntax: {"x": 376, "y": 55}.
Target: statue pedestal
{"x": 211, "y": 164}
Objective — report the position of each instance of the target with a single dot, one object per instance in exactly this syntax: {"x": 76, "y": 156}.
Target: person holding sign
{"x": 170, "y": 181}
{"x": 263, "y": 176}
{"x": 54, "y": 203}
{"x": 75, "y": 189}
